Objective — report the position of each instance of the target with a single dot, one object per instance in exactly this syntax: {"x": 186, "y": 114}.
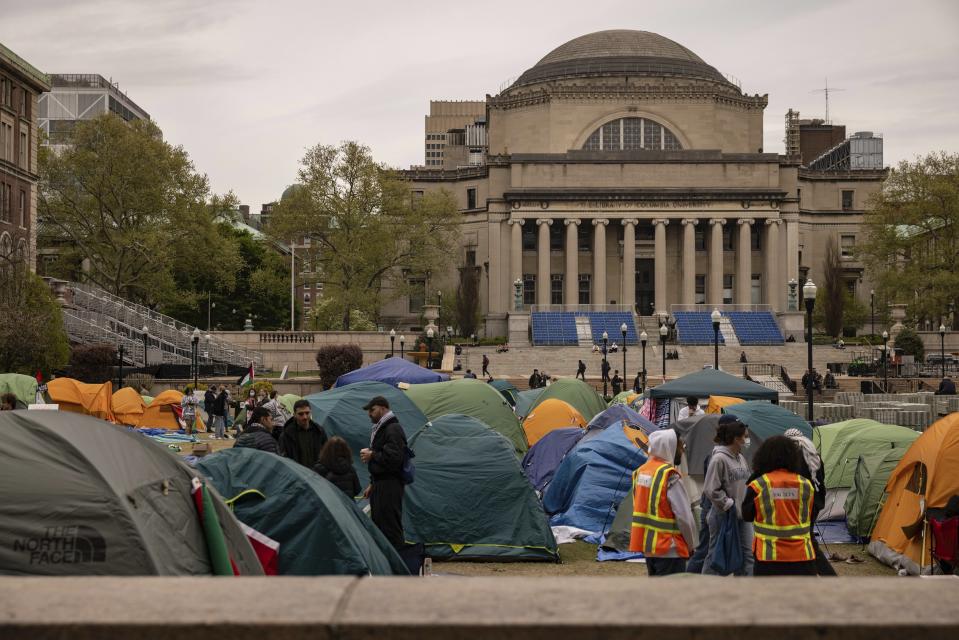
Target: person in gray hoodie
{"x": 725, "y": 487}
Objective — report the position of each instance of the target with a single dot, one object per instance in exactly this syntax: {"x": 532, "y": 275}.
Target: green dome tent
{"x": 575, "y": 392}
{"x": 470, "y": 500}
{"x": 472, "y": 398}
{"x": 287, "y": 400}
{"x": 320, "y": 530}
{"x": 340, "y": 412}
{"x": 868, "y": 486}
{"x": 24, "y": 387}
{"x": 507, "y": 389}
{"x": 79, "y": 496}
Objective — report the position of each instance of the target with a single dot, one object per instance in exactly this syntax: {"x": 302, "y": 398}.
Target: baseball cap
{"x": 377, "y": 401}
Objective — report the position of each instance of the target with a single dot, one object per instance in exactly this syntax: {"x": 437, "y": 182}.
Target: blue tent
{"x": 616, "y": 414}
{"x": 543, "y": 458}
{"x": 592, "y": 480}
{"x": 392, "y": 371}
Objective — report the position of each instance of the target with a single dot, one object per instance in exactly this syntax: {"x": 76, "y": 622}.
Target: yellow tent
{"x": 128, "y": 406}
{"x": 716, "y": 403}
{"x": 80, "y": 397}
{"x": 930, "y": 471}
{"x": 548, "y": 415}
{"x": 161, "y": 414}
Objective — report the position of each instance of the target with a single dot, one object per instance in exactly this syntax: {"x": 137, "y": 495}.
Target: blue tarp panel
{"x": 616, "y": 414}
{"x": 544, "y": 457}
{"x": 835, "y": 532}
{"x": 392, "y": 371}
{"x": 592, "y": 480}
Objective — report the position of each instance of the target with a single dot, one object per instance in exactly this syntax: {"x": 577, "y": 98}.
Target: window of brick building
{"x": 23, "y": 149}
{"x": 727, "y": 238}
{"x": 23, "y": 209}
{"x": 847, "y": 200}
{"x": 728, "y": 282}
{"x": 471, "y": 198}
{"x": 700, "y": 237}
{"x": 700, "y": 288}
{"x": 556, "y": 288}
{"x": 529, "y": 288}
{"x": 584, "y": 288}
{"x": 529, "y": 235}
{"x": 847, "y": 246}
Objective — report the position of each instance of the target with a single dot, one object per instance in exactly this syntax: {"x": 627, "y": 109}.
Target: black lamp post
{"x": 392, "y": 340}
{"x": 196, "y": 358}
{"x": 885, "y": 361}
{"x": 716, "y": 316}
{"x": 942, "y": 348}
{"x": 663, "y": 332}
{"x": 120, "y": 386}
{"x": 429, "y": 348}
{"x": 439, "y": 308}
{"x": 402, "y": 342}
{"x": 206, "y": 354}
{"x": 809, "y": 293}
{"x": 605, "y": 363}
{"x": 146, "y": 334}
{"x": 872, "y": 312}
{"x": 643, "y": 338}
{"x": 622, "y": 329}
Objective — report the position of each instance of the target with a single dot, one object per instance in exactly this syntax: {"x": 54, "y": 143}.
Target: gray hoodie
{"x": 662, "y": 445}
{"x": 725, "y": 484}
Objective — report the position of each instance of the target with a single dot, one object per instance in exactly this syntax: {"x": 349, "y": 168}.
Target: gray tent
{"x": 80, "y": 496}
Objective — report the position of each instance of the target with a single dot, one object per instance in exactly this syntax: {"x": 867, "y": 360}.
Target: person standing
{"x": 258, "y": 433}
{"x": 485, "y": 371}
{"x": 220, "y": 406}
{"x": 604, "y": 369}
{"x": 947, "y": 387}
{"x": 535, "y": 382}
{"x": 691, "y": 409}
{"x": 209, "y": 398}
{"x": 725, "y": 487}
{"x": 638, "y": 382}
{"x": 336, "y": 465}
{"x": 301, "y": 439}
{"x": 663, "y": 528}
{"x": 385, "y": 457}
{"x": 617, "y": 383}
{"x": 811, "y": 468}
{"x": 779, "y": 501}
{"x": 188, "y": 404}
{"x": 581, "y": 371}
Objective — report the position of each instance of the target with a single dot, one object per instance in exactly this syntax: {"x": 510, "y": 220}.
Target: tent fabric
{"x": 112, "y": 501}
{"x": 79, "y": 397}
{"x": 470, "y": 499}
{"x": 932, "y": 461}
{"x": 320, "y": 530}
{"x": 161, "y": 414}
{"x": 340, "y": 412}
{"x": 392, "y": 371}
{"x": 549, "y": 415}
{"x": 127, "y": 406}
{"x": 543, "y": 458}
{"x": 716, "y": 403}
{"x": 525, "y": 401}
{"x": 577, "y": 393}
{"x": 766, "y": 420}
{"x": 708, "y": 382}
{"x": 287, "y": 400}
{"x": 848, "y": 440}
{"x": 868, "y": 486}
{"x": 592, "y": 480}
{"x": 473, "y": 398}
{"x": 23, "y": 387}
{"x": 618, "y": 413}
{"x": 624, "y": 397}
{"x": 507, "y": 390}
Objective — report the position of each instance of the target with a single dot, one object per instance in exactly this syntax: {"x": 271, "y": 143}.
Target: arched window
{"x": 6, "y": 245}
{"x": 627, "y": 134}
{"x": 22, "y": 250}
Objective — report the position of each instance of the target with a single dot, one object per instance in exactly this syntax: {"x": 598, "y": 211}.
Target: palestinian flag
{"x": 221, "y": 563}
{"x": 246, "y": 378}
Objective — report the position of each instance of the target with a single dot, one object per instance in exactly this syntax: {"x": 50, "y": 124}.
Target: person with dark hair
{"x": 469, "y": 375}
{"x": 779, "y": 502}
{"x": 336, "y": 465}
{"x": 258, "y": 431}
{"x": 812, "y": 468}
{"x": 638, "y": 382}
{"x": 220, "y": 407}
{"x": 725, "y": 487}
{"x": 535, "y": 380}
{"x": 485, "y": 370}
{"x": 8, "y": 402}
{"x": 277, "y": 413}
{"x": 581, "y": 371}
{"x": 188, "y": 405}
{"x": 302, "y": 439}
{"x": 691, "y": 409}
{"x": 385, "y": 458}
{"x": 947, "y": 387}
{"x": 208, "y": 399}
{"x": 616, "y": 382}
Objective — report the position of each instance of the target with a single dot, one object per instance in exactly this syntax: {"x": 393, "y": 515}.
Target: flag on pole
{"x": 246, "y": 378}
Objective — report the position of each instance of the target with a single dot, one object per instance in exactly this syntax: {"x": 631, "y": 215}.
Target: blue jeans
{"x": 713, "y": 521}
{"x": 695, "y": 564}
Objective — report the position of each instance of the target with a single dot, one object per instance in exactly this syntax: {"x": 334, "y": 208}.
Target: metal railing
{"x": 580, "y": 308}
{"x": 707, "y": 308}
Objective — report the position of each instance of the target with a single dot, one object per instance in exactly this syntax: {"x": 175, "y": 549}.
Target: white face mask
{"x": 746, "y": 443}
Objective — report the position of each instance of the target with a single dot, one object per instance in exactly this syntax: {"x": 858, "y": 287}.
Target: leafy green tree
{"x": 910, "y": 343}
{"x": 326, "y": 315}
{"x": 366, "y": 227}
{"x": 467, "y": 299}
{"x": 912, "y": 236}
{"x": 31, "y": 323}
{"x": 834, "y": 293}
{"x": 855, "y": 314}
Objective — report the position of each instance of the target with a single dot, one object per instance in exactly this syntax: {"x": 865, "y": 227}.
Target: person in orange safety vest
{"x": 663, "y": 527}
{"x": 779, "y": 503}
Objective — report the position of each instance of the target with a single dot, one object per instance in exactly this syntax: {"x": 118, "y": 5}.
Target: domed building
{"x": 624, "y": 170}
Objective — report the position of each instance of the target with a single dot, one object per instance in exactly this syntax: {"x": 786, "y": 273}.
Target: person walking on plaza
{"x": 811, "y": 468}
{"x": 209, "y": 397}
{"x": 485, "y": 371}
{"x": 604, "y": 370}
{"x": 725, "y": 487}
{"x": 638, "y": 382}
{"x": 258, "y": 433}
{"x": 663, "y": 527}
{"x": 617, "y": 383}
{"x": 581, "y": 371}
{"x": 384, "y": 458}
{"x": 336, "y": 465}
{"x": 188, "y": 404}
{"x": 301, "y": 439}
{"x": 778, "y": 502}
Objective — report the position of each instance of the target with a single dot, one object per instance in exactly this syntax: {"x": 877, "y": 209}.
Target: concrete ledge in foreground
{"x": 477, "y": 608}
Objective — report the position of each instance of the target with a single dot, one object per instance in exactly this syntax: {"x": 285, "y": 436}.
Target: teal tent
{"x": 340, "y": 412}
{"x": 525, "y": 400}
{"x": 507, "y": 389}
{"x": 24, "y": 387}
{"x": 320, "y": 530}
{"x": 710, "y": 382}
{"x": 868, "y": 487}
{"x": 767, "y": 420}
{"x": 470, "y": 500}
{"x": 576, "y": 393}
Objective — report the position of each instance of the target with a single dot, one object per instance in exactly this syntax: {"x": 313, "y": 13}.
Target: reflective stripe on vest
{"x": 781, "y": 535}
{"x": 654, "y": 528}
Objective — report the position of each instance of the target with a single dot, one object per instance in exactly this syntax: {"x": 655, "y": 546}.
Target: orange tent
{"x": 80, "y": 397}
{"x": 161, "y": 415}
{"x": 930, "y": 470}
{"x": 548, "y": 415}
{"x": 128, "y": 406}
{"x": 716, "y": 403}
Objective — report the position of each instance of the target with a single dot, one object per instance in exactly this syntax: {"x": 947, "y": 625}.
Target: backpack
{"x": 408, "y": 470}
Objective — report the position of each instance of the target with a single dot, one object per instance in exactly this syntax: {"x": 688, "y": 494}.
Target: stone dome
{"x": 620, "y": 52}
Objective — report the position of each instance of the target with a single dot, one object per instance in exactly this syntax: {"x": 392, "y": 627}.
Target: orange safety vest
{"x": 783, "y": 517}
{"x": 655, "y": 532}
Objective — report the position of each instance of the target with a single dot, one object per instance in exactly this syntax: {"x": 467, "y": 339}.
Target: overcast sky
{"x": 245, "y": 86}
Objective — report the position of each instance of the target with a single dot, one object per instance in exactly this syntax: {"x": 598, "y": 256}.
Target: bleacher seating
{"x": 610, "y": 322}
{"x": 695, "y": 327}
{"x": 755, "y": 327}
{"x": 559, "y": 327}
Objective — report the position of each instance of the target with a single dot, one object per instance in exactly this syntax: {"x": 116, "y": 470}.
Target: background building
{"x": 20, "y": 85}
{"x": 444, "y": 116}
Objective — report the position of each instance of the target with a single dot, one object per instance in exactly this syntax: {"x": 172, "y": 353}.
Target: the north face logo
{"x": 64, "y": 545}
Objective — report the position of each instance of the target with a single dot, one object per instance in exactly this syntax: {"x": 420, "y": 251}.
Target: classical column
{"x": 542, "y": 261}
{"x": 689, "y": 260}
{"x": 792, "y": 249}
{"x": 497, "y": 301}
{"x": 744, "y": 259}
{"x": 599, "y": 261}
{"x": 659, "y": 266}
{"x": 515, "y": 251}
{"x": 629, "y": 261}
{"x": 774, "y": 283}
{"x": 572, "y": 260}
{"x": 715, "y": 276}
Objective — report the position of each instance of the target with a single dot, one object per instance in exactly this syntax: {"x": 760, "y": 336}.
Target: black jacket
{"x": 289, "y": 445}
{"x": 342, "y": 474}
{"x": 535, "y": 382}
{"x": 946, "y": 388}
{"x": 220, "y": 405}
{"x": 255, "y": 436}
{"x": 208, "y": 399}
{"x": 389, "y": 451}
{"x": 617, "y": 383}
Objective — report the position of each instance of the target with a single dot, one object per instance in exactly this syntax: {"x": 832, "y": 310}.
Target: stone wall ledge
{"x": 677, "y": 608}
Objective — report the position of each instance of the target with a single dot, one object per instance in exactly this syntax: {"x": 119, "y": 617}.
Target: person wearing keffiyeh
{"x": 812, "y": 469}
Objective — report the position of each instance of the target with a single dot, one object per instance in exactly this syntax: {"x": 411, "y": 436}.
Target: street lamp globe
{"x": 942, "y": 329}
{"x": 207, "y": 337}
{"x": 392, "y": 333}
{"x": 605, "y": 336}
{"x": 623, "y": 328}
{"x": 663, "y": 330}
{"x": 429, "y": 333}
{"x": 716, "y": 316}
{"x": 146, "y": 329}
{"x": 196, "y": 335}
{"x": 885, "y": 335}
{"x": 809, "y": 290}
{"x": 643, "y": 337}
